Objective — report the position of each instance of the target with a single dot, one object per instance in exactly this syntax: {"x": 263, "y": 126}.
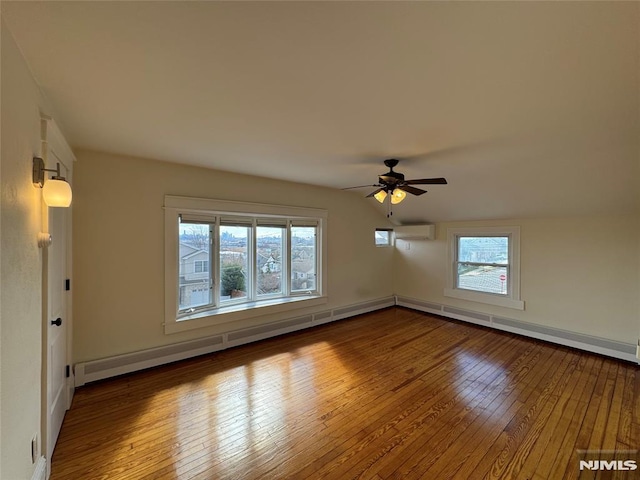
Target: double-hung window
{"x": 227, "y": 261}
{"x": 484, "y": 265}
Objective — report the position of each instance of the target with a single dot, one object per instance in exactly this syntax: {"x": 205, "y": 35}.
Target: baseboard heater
{"x": 40, "y": 472}
{"x": 110, "y": 367}
{"x": 611, "y": 348}
{"x": 86, "y": 372}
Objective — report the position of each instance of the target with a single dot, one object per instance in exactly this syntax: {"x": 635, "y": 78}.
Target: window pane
{"x": 202, "y": 266}
{"x": 270, "y": 247}
{"x": 194, "y": 281}
{"x": 303, "y": 258}
{"x": 482, "y": 278}
{"x": 234, "y": 262}
{"x": 483, "y": 249}
{"x": 383, "y": 237}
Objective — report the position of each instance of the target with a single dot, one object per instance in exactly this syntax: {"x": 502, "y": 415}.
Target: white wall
{"x": 118, "y": 228}
{"x": 577, "y": 274}
{"x": 21, "y": 262}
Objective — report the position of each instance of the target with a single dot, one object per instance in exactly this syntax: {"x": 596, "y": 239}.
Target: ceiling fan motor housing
{"x": 392, "y": 162}
{"x": 391, "y": 178}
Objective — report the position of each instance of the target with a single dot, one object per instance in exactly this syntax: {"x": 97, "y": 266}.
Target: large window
{"x": 484, "y": 265}
{"x": 234, "y": 258}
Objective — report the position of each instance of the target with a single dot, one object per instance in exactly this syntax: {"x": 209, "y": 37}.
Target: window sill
{"x": 232, "y": 313}
{"x": 487, "y": 298}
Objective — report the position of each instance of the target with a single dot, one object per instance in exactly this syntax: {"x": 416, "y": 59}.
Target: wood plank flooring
{"x": 395, "y": 394}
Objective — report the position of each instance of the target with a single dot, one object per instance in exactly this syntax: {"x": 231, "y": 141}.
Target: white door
{"x": 57, "y": 381}
{"x": 56, "y": 327}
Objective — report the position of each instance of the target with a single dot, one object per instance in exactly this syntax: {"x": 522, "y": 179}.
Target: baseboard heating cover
{"x": 92, "y": 371}
{"x": 363, "y": 308}
{"x": 603, "y": 346}
{"x": 40, "y": 473}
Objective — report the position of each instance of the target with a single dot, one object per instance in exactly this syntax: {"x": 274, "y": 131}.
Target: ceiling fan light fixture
{"x": 393, "y": 185}
{"x": 397, "y": 196}
{"x": 380, "y": 196}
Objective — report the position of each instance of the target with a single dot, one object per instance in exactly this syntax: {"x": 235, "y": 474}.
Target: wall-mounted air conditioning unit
{"x": 415, "y": 232}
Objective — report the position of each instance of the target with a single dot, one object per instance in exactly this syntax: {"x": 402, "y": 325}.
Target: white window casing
{"x": 509, "y": 300}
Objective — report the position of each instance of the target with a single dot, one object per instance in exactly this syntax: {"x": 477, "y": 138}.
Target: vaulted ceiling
{"x": 529, "y": 109}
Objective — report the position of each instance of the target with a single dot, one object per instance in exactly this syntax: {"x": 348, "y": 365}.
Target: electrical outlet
{"x": 638, "y": 350}
{"x": 407, "y": 245}
{"x": 34, "y": 448}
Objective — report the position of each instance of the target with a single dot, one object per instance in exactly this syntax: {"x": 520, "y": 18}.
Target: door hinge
{"x": 67, "y": 371}
{"x": 67, "y": 284}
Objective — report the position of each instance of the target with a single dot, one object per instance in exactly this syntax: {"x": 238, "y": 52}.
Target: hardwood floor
{"x": 392, "y": 394}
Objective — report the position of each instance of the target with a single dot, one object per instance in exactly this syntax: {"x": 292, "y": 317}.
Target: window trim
{"x": 211, "y": 210}
{"x": 389, "y": 237}
{"x": 512, "y": 299}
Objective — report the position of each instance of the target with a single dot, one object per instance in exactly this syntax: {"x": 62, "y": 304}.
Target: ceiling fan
{"x": 394, "y": 185}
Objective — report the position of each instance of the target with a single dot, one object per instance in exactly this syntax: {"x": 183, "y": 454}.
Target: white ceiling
{"x": 528, "y": 109}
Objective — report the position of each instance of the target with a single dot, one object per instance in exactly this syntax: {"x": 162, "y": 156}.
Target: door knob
{"x": 57, "y": 322}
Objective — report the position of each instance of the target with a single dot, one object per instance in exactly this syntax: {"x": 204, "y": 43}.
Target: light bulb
{"x": 380, "y": 196}
{"x": 397, "y": 196}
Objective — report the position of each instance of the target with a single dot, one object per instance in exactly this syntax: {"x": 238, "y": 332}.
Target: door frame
{"x": 54, "y": 148}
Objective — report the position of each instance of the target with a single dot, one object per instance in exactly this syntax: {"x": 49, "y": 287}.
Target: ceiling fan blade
{"x": 412, "y": 190}
{"x": 374, "y": 192}
{"x": 360, "y": 186}
{"x": 427, "y": 181}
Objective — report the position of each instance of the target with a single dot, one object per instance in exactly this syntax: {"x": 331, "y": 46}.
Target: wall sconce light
{"x": 56, "y": 192}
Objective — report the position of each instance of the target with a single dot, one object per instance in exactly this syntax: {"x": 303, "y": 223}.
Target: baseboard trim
{"x": 603, "y": 346}
{"x": 40, "y": 473}
{"x": 92, "y": 371}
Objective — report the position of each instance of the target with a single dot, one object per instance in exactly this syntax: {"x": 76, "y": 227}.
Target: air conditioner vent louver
{"x": 415, "y": 232}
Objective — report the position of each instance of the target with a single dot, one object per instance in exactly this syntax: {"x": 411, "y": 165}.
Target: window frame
{"x": 284, "y": 271}
{"x": 219, "y": 303}
{"x": 512, "y": 298}
{"x": 200, "y": 221}
{"x": 211, "y": 211}
{"x": 303, "y": 291}
{"x": 389, "y": 232}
